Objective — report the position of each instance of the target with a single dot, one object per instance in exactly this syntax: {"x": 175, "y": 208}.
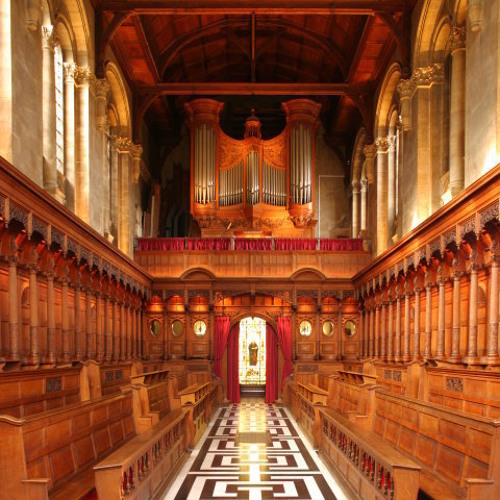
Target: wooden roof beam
{"x": 247, "y": 88}
{"x": 267, "y": 7}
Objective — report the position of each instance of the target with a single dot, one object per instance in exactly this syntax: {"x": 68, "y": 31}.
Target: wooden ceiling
{"x": 253, "y": 54}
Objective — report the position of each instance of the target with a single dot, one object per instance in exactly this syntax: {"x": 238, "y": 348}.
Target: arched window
{"x": 59, "y": 98}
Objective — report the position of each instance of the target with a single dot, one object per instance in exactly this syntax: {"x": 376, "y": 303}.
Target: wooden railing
{"x": 372, "y": 467}
{"x": 143, "y": 466}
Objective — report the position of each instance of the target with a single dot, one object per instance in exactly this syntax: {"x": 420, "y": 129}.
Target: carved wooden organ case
{"x": 253, "y": 184}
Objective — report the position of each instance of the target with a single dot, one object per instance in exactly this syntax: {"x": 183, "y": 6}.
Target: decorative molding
{"x": 491, "y": 212}
{"x": 83, "y": 76}
{"x": 53, "y": 384}
{"x": 458, "y": 38}
{"x": 454, "y": 384}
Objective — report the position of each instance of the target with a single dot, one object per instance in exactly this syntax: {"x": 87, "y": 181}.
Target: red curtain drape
{"x": 271, "y": 364}
{"x": 285, "y": 337}
{"x": 295, "y": 244}
{"x": 221, "y": 332}
{"x": 233, "y": 381}
{"x": 340, "y": 245}
{"x": 208, "y": 243}
{"x": 160, "y": 244}
{"x": 253, "y": 244}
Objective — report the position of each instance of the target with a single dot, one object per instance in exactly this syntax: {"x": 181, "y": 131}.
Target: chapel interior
{"x": 249, "y": 249}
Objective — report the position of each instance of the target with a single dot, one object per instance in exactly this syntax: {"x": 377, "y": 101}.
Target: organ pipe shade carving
{"x": 252, "y": 180}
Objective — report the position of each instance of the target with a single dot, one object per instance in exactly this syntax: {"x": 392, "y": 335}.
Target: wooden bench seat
{"x": 44, "y": 453}
{"x": 143, "y": 467}
{"x": 367, "y": 465}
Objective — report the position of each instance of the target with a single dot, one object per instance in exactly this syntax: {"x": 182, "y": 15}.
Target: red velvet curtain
{"x": 295, "y": 244}
{"x": 253, "y": 244}
{"x": 221, "y": 332}
{"x": 233, "y": 381}
{"x": 285, "y": 337}
{"x": 208, "y": 243}
{"x": 340, "y": 245}
{"x": 271, "y": 364}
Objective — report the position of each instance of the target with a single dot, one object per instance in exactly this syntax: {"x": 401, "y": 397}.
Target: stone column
{"x": 390, "y": 333}
{"x": 98, "y": 327}
{"x": 457, "y": 109}
{"x": 108, "y": 331}
{"x": 101, "y": 89}
{"x": 364, "y": 206}
{"x": 66, "y": 333}
{"x": 51, "y": 323}
{"x": 49, "y": 42}
{"x": 383, "y": 332}
{"x": 69, "y": 133}
{"x": 406, "y": 332}
{"x": 83, "y": 77}
{"x": 397, "y": 350}
{"x": 116, "y": 331}
{"x": 492, "y": 357}
{"x": 428, "y": 321}
{"x": 471, "y": 357}
{"x": 416, "y": 324}
{"x": 455, "y": 335}
{"x": 441, "y": 315}
{"x": 406, "y": 88}
{"x": 382, "y": 163}
{"x": 34, "y": 355}
{"x": 90, "y": 353}
{"x": 355, "y": 208}
{"x": 78, "y": 322}
{"x": 376, "y": 351}
{"x": 391, "y": 183}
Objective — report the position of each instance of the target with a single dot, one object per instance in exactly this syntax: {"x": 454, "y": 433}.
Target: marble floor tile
{"x": 284, "y": 466}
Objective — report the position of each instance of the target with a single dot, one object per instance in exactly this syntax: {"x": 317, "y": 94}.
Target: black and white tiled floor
{"x": 224, "y": 466}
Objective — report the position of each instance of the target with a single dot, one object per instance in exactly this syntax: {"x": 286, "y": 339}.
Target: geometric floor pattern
{"x": 224, "y": 467}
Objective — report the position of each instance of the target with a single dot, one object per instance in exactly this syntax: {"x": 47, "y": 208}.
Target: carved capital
{"x": 69, "y": 72}
{"x": 423, "y": 77}
{"x": 49, "y": 38}
{"x": 406, "y": 88}
{"x": 83, "y": 76}
{"x": 356, "y": 185}
{"x": 382, "y": 144}
{"x": 122, "y": 144}
{"x": 369, "y": 150}
{"x": 364, "y": 185}
{"x": 458, "y": 37}
{"x": 101, "y": 88}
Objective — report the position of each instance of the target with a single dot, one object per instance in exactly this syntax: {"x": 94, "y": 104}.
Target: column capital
{"x": 69, "y": 72}
{"x": 426, "y": 76}
{"x": 122, "y": 144}
{"x": 356, "y": 185}
{"x": 392, "y": 142}
{"x": 382, "y": 144}
{"x": 83, "y": 76}
{"x": 49, "y": 38}
{"x": 458, "y": 37}
{"x": 364, "y": 185}
{"x": 101, "y": 88}
{"x": 370, "y": 150}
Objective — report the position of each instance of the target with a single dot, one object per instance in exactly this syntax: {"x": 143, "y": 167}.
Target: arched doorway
{"x": 252, "y": 360}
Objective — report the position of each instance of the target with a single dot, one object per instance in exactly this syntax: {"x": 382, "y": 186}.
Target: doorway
{"x": 252, "y": 357}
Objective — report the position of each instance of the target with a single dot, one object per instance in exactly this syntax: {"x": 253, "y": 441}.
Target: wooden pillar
{"x": 108, "y": 331}
{"x": 471, "y": 357}
{"x": 383, "y": 332}
{"x": 122, "y": 332}
{"x": 428, "y": 321}
{"x": 416, "y": 323}
{"x": 376, "y": 352}
{"x": 372, "y": 330}
{"x": 13, "y": 352}
{"x": 34, "y": 355}
{"x": 78, "y": 323}
{"x": 51, "y": 323}
{"x": 66, "y": 333}
{"x": 390, "y": 332}
{"x": 492, "y": 357}
{"x": 88, "y": 324}
{"x": 98, "y": 329}
{"x": 406, "y": 332}
{"x": 441, "y": 315}
{"x": 397, "y": 350}
{"x": 455, "y": 336}
{"x": 116, "y": 331}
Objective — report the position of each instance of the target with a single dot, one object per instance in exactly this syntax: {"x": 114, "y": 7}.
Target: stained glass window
{"x": 252, "y": 351}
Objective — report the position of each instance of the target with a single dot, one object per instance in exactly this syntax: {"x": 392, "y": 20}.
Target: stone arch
{"x": 386, "y": 99}
{"x": 66, "y": 38}
{"x": 119, "y": 99}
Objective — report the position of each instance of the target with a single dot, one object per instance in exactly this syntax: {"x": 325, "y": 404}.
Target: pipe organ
{"x": 253, "y": 184}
